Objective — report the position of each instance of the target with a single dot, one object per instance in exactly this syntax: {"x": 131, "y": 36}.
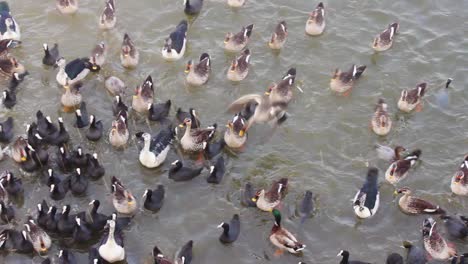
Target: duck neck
{"x": 110, "y": 238}
{"x": 187, "y": 130}
{"x": 146, "y": 147}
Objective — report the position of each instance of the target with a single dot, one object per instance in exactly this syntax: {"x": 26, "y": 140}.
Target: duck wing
{"x": 423, "y": 205}
{"x": 203, "y": 67}
{"x": 243, "y": 61}
{"x": 75, "y": 67}
{"x": 160, "y": 142}
{"x": 239, "y": 104}
{"x": 178, "y": 36}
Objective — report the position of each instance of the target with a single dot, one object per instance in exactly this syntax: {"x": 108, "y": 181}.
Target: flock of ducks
{"x": 75, "y": 169}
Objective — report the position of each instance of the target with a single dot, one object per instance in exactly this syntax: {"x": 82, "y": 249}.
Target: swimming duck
{"x": 129, "y": 55}
{"x": 278, "y": 38}
{"x": 39, "y": 238}
{"x": 267, "y": 201}
{"x": 381, "y": 122}
{"x": 81, "y": 114}
{"x": 175, "y": 45}
{"x": 282, "y": 238}
{"x": 306, "y": 207}
{"x": 96, "y": 221}
{"x": 123, "y": 200}
{"x": 95, "y": 129}
{"x": 154, "y": 198}
{"x": 67, "y": 7}
{"x": 6, "y": 130}
{"x": 119, "y": 106}
{"x": 10, "y": 66}
{"x": 185, "y": 254}
{"x": 384, "y": 40}
{"x": 239, "y": 68}
{"x": 281, "y": 93}
{"x": 236, "y": 3}
{"x": 434, "y": 243}
{"x": 159, "y": 112}
{"x": 94, "y": 169}
{"x": 217, "y": 171}
{"x": 50, "y": 55}
{"x": 99, "y": 53}
{"x": 389, "y": 154}
{"x": 32, "y": 162}
{"x": 7, "y": 213}
{"x": 179, "y": 172}
{"x": 9, "y": 28}
{"x": 315, "y": 24}
{"x": 112, "y": 250}
{"x": 193, "y": 7}
{"x": 159, "y": 258}
{"x": 119, "y": 134}
{"x": 143, "y": 96}
{"x": 367, "y": 199}
{"x": 231, "y": 230}
{"x": 237, "y": 42}
{"x": 108, "y": 17}
{"x": 199, "y": 73}
{"x": 78, "y": 182}
{"x": 459, "y": 183}
{"x": 345, "y": 259}
{"x": 66, "y": 257}
{"x": 6, "y": 45}
{"x": 155, "y": 149}
{"x": 398, "y": 170}
{"x": 410, "y": 100}
{"x": 416, "y": 255}
{"x": 115, "y": 86}
{"x": 413, "y": 205}
{"x": 9, "y": 99}
{"x": 182, "y": 115}
{"x": 343, "y": 82}
{"x": 74, "y": 71}
{"x": 81, "y": 233}
{"x": 72, "y": 96}
{"x": 457, "y": 226}
{"x": 195, "y": 139}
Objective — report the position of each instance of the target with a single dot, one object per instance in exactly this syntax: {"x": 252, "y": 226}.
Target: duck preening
{"x": 237, "y": 42}
{"x": 435, "y": 245}
{"x": 315, "y": 24}
{"x": 155, "y": 149}
{"x": 175, "y": 45}
{"x": 282, "y": 238}
{"x": 367, "y": 199}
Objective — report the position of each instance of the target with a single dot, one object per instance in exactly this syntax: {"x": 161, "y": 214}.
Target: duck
{"x": 74, "y": 71}
{"x": 15, "y": 241}
{"x": 108, "y": 17}
{"x": 192, "y": 114}
{"x": 399, "y": 169}
{"x": 67, "y": 7}
{"x": 123, "y": 200}
{"x": 239, "y": 68}
{"x": 99, "y": 54}
{"x": 159, "y": 112}
{"x": 174, "y": 48}
{"x": 217, "y": 171}
{"x": 66, "y": 222}
{"x": 343, "y": 82}
{"x": 281, "y": 93}
{"x": 154, "y": 199}
{"x": 119, "y": 134}
{"x": 13, "y": 185}
{"x": 345, "y": 259}
{"x": 267, "y": 201}
{"x": 6, "y": 45}
{"x": 158, "y": 256}
{"x": 72, "y": 96}
{"x": 112, "y": 249}
{"x": 367, "y": 199}
{"x": 306, "y": 207}
{"x": 6, "y": 130}
{"x": 38, "y": 237}
{"x": 435, "y": 245}
{"x": 457, "y": 226}
{"x": 81, "y": 232}
{"x": 9, "y": 99}
{"x": 179, "y": 172}
{"x": 185, "y": 254}
{"x": 119, "y": 106}
{"x": 10, "y": 66}
{"x": 7, "y": 213}
{"x": 193, "y": 7}
{"x": 384, "y": 40}
{"x": 389, "y": 154}
{"x": 231, "y": 230}
{"x": 66, "y": 257}
{"x": 199, "y": 73}
{"x": 195, "y": 140}
{"x": 412, "y": 99}
{"x": 413, "y": 205}
{"x": 282, "y": 238}
{"x": 95, "y": 129}
{"x": 96, "y": 221}
{"x": 129, "y": 54}
{"x": 236, "y": 3}
{"x": 315, "y": 24}
{"x": 416, "y": 255}
{"x": 237, "y": 42}
{"x": 81, "y": 114}
{"x": 115, "y": 86}
{"x": 143, "y": 96}
{"x": 459, "y": 182}
{"x": 155, "y": 149}
{"x": 9, "y": 28}
{"x": 381, "y": 122}
{"x": 50, "y": 55}
{"x": 279, "y": 36}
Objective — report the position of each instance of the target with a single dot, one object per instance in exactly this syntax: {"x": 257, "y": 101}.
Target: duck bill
{"x": 241, "y": 133}
{"x": 188, "y": 67}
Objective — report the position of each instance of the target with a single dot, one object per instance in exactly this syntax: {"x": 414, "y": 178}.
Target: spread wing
{"x": 239, "y": 104}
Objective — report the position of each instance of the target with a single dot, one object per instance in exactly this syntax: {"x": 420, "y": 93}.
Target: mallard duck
{"x": 159, "y": 112}
{"x": 50, "y": 55}
{"x": 457, "y": 226}
{"x": 74, "y": 71}
{"x": 237, "y": 42}
{"x": 398, "y": 170}
{"x": 195, "y": 139}
{"x": 115, "y": 86}
{"x": 434, "y": 243}
{"x": 367, "y": 199}
{"x": 99, "y": 54}
{"x": 231, "y": 230}
{"x": 217, "y": 171}
{"x": 9, "y": 66}
{"x": 416, "y": 255}
{"x": 315, "y": 24}
{"x": 6, "y": 45}
{"x": 459, "y": 183}
{"x": 112, "y": 249}
{"x": 108, "y": 18}
{"x": 67, "y": 7}
{"x": 123, "y": 200}
{"x": 155, "y": 149}
{"x": 39, "y": 238}
{"x": 410, "y": 100}
{"x": 281, "y": 93}
{"x": 193, "y": 7}
{"x": 72, "y": 96}
{"x": 17, "y": 150}
{"x": 143, "y": 96}
{"x": 384, "y": 40}
{"x": 6, "y": 130}
{"x": 267, "y": 201}
{"x": 154, "y": 198}
{"x": 118, "y": 136}
{"x": 278, "y": 38}
{"x": 235, "y": 135}
{"x": 239, "y": 68}
{"x": 381, "y": 122}
{"x": 343, "y": 82}
{"x": 129, "y": 55}
{"x": 199, "y": 73}
{"x": 413, "y": 205}
{"x": 282, "y": 238}
{"x": 175, "y": 45}
{"x": 389, "y": 154}
{"x": 9, "y": 28}
{"x": 179, "y": 172}
{"x": 345, "y": 259}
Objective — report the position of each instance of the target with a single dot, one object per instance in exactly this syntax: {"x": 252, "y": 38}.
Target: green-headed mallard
{"x": 239, "y": 68}
{"x": 267, "y": 201}
{"x": 381, "y": 122}
{"x": 343, "y": 82}
{"x": 199, "y": 73}
{"x": 413, "y": 205}
{"x": 67, "y": 7}
{"x": 129, "y": 54}
{"x": 237, "y": 42}
{"x": 434, "y": 243}
{"x": 196, "y": 139}
{"x": 315, "y": 24}
{"x": 399, "y": 169}
{"x": 278, "y": 38}
{"x": 235, "y": 135}
{"x": 282, "y": 238}
{"x": 412, "y": 99}
{"x": 384, "y": 40}
{"x": 459, "y": 183}
{"x": 143, "y": 96}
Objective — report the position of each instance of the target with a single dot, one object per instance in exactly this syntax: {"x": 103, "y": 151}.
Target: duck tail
{"x": 248, "y": 30}
{"x": 395, "y": 27}
{"x": 359, "y": 71}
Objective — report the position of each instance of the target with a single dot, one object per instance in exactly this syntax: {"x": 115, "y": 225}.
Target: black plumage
{"x": 9, "y": 98}
{"x": 6, "y": 130}
{"x": 50, "y": 55}
{"x": 158, "y": 112}
{"x": 193, "y": 7}
{"x": 395, "y": 258}
{"x": 7, "y": 213}
{"x": 95, "y": 129}
{"x": 96, "y": 221}
{"x": 177, "y": 38}
{"x": 94, "y": 169}
{"x": 217, "y": 171}
{"x": 154, "y": 199}
{"x": 231, "y": 230}
{"x": 247, "y": 194}
{"x": 12, "y": 184}
{"x": 455, "y": 225}
{"x": 178, "y": 172}
{"x": 306, "y": 207}
{"x": 82, "y": 118}
{"x": 78, "y": 182}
